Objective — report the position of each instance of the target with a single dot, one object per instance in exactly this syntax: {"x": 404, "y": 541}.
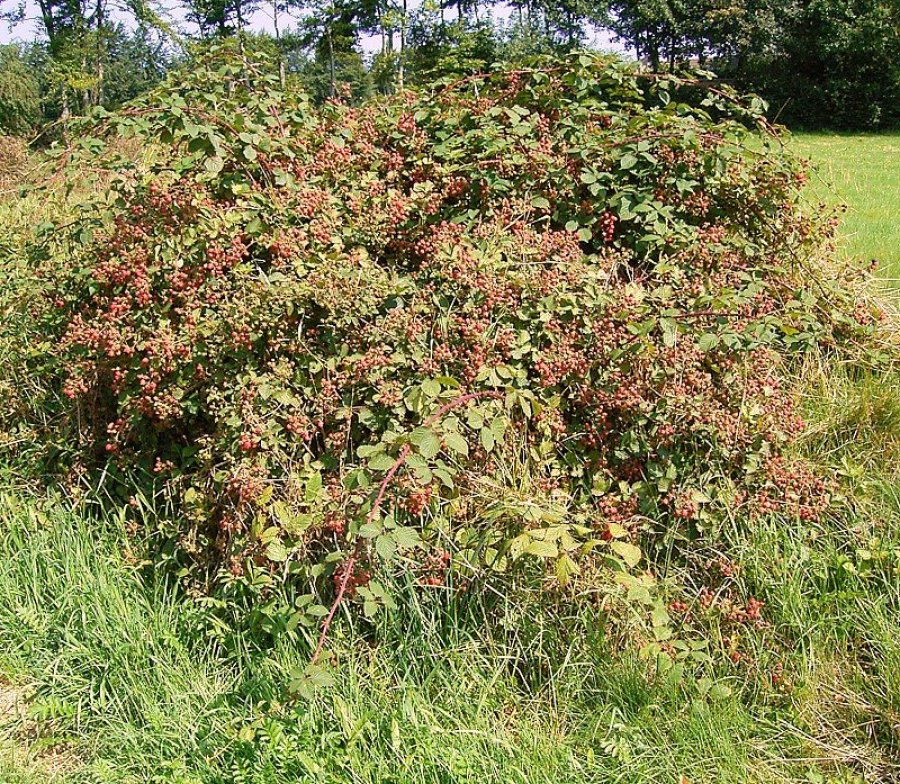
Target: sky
{"x": 30, "y": 28}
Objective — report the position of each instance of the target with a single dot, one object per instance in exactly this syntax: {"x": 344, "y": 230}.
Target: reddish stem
{"x": 376, "y": 508}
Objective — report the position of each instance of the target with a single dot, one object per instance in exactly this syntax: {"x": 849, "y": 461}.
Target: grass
{"x": 126, "y": 690}
{"x": 125, "y": 683}
{"x": 861, "y": 172}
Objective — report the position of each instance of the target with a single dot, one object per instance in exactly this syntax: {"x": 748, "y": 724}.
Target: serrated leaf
{"x": 406, "y": 537}
{"x": 382, "y": 462}
{"x": 456, "y": 443}
{"x": 265, "y": 496}
{"x": 628, "y": 552}
{"x": 369, "y": 530}
{"x": 255, "y": 227}
{"x": 213, "y": 165}
{"x": 305, "y": 683}
{"x": 276, "y": 551}
{"x": 669, "y": 330}
{"x": 542, "y": 548}
{"x": 282, "y": 513}
{"x": 426, "y": 441}
{"x": 708, "y": 341}
{"x": 313, "y": 487}
{"x": 659, "y": 616}
{"x": 566, "y": 568}
{"x": 431, "y": 387}
{"x": 487, "y": 438}
{"x": 386, "y": 547}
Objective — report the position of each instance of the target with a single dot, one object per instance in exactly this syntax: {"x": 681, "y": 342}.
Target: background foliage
{"x": 820, "y": 63}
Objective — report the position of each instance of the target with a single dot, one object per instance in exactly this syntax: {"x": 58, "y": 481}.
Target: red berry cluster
{"x": 360, "y": 576}
{"x": 433, "y": 571}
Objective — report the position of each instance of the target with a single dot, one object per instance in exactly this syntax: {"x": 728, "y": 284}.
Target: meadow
{"x": 861, "y": 172}
{"x": 108, "y": 674}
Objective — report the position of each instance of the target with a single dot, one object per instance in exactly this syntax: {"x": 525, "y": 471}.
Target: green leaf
{"x": 628, "y": 161}
{"x": 213, "y": 165}
{"x": 659, "y": 616}
{"x": 305, "y": 683}
{"x": 313, "y": 488}
{"x": 386, "y": 547}
{"x": 669, "y": 330}
{"x": 276, "y": 551}
{"x": 426, "y": 441}
{"x": 456, "y": 443}
{"x": 708, "y": 341}
{"x": 382, "y": 462}
{"x": 406, "y": 537}
{"x": 369, "y": 530}
{"x": 628, "y": 552}
{"x": 265, "y": 496}
{"x": 282, "y": 514}
{"x": 566, "y": 568}
{"x": 431, "y": 387}
{"x": 542, "y": 548}
{"x": 487, "y": 438}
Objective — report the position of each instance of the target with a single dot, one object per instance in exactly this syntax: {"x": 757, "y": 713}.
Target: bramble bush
{"x": 541, "y": 318}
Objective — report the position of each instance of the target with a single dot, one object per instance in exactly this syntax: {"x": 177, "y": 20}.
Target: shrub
{"x": 13, "y": 161}
{"x": 331, "y": 336}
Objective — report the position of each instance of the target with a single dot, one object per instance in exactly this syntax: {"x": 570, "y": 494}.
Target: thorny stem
{"x": 376, "y": 508}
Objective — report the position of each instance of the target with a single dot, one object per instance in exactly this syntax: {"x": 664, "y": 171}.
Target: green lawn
{"x": 861, "y": 171}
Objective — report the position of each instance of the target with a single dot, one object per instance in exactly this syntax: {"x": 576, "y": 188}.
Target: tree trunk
{"x": 281, "y": 74}
{"x": 400, "y": 70}
{"x": 331, "y": 67}
{"x": 98, "y": 92}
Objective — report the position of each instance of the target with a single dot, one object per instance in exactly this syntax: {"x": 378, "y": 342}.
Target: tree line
{"x": 818, "y": 62}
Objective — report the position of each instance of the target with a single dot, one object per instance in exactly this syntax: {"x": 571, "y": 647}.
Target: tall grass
{"x": 122, "y": 677}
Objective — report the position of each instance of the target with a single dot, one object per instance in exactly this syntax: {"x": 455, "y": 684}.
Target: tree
{"x": 82, "y": 40}
{"x": 330, "y": 33}
{"x": 20, "y": 98}
{"x": 220, "y": 17}
{"x": 439, "y": 49}
{"x": 826, "y": 63}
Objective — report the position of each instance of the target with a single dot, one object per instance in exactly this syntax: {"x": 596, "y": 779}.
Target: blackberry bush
{"x": 325, "y": 334}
